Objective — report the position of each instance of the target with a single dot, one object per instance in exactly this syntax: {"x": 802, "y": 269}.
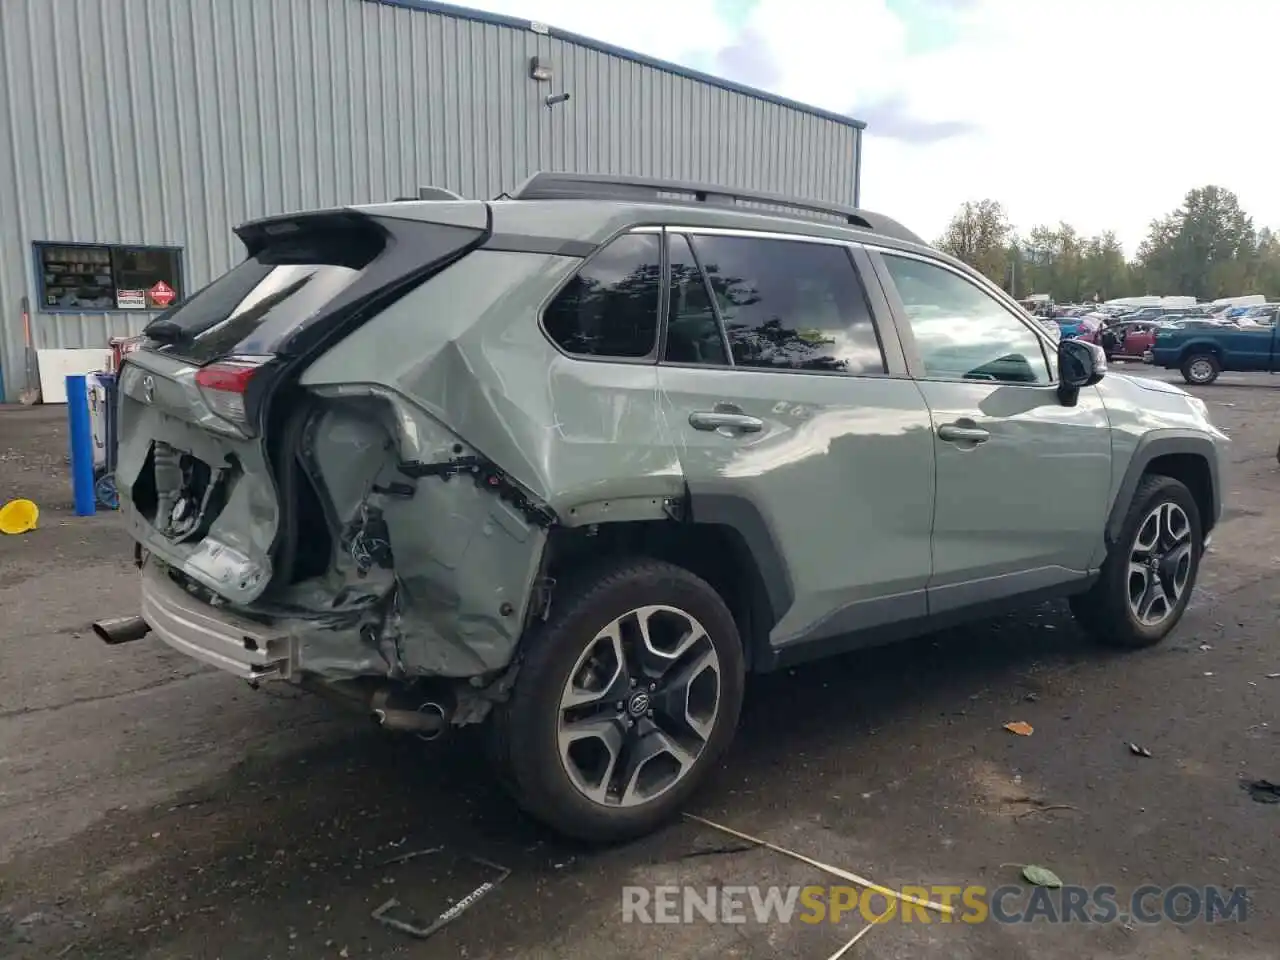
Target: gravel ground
{"x": 153, "y": 808}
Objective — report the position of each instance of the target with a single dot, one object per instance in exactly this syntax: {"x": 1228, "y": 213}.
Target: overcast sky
{"x": 1099, "y": 112}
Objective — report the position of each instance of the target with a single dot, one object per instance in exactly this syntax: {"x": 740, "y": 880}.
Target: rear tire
{"x": 1201, "y": 369}
{"x": 1150, "y": 571}
{"x": 610, "y": 727}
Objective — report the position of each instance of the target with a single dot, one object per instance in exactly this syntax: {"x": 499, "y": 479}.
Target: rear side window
{"x": 610, "y": 309}
{"x": 791, "y": 305}
{"x": 693, "y": 333}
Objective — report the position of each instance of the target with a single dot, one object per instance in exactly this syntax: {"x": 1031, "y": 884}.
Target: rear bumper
{"x": 220, "y": 638}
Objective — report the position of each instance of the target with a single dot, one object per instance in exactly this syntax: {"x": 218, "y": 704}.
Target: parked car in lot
{"x": 571, "y": 464}
{"x": 1203, "y": 349}
{"x": 1265, "y": 314}
{"x": 1128, "y": 341}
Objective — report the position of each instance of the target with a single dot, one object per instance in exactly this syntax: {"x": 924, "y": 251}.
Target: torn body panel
{"x": 201, "y": 501}
{"x": 402, "y": 502}
{"x": 455, "y": 558}
{"x": 582, "y": 437}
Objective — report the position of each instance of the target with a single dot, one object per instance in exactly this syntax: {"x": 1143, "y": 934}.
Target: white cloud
{"x": 1099, "y": 112}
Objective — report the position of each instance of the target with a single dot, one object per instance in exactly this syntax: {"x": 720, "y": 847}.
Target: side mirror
{"x": 1080, "y": 364}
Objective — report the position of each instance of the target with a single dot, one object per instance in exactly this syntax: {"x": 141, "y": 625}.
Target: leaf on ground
{"x": 1139, "y": 751}
{"x": 1020, "y": 727}
{"x": 1041, "y": 876}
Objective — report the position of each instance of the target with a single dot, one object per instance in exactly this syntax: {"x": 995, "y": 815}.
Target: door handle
{"x": 716, "y": 419}
{"x": 955, "y": 433}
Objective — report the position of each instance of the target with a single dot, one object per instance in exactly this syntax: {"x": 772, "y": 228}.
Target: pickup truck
{"x": 1203, "y": 349}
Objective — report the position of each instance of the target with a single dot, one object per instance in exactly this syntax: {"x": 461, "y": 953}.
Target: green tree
{"x": 1206, "y": 248}
{"x": 1104, "y": 270}
{"x": 979, "y": 235}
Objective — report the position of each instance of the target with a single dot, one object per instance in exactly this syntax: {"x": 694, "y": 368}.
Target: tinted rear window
{"x": 256, "y": 306}
{"x": 284, "y": 294}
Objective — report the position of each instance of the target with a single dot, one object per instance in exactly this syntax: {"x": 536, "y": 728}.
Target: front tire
{"x": 1201, "y": 369}
{"x": 1149, "y": 574}
{"x": 625, "y": 701}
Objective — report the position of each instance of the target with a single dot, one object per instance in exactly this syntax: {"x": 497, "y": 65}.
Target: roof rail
{"x": 597, "y": 186}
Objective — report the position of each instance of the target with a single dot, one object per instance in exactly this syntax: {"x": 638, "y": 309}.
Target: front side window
{"x": 610, "y": 309}
{"x": 791, "y": 305}
{"x": 962, "y": 332}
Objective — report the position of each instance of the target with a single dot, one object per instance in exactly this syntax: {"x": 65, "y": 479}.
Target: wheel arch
{"x": 722, "y": 539}
{"x": 1187, "y": 457}
{"x": 1189, "y": 350}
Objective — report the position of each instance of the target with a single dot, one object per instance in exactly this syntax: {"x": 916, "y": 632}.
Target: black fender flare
{"x": 774, "y": 593}
{"x": 1161, "y": 443}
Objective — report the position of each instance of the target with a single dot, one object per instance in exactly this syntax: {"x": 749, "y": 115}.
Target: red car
{"x": 1131, "y": 340}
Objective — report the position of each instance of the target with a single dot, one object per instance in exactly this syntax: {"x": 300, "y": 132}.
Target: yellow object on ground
{"x": 19, "y": 516}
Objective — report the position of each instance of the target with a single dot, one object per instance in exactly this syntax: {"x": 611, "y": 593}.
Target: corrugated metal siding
{"x": 167, "y": 122}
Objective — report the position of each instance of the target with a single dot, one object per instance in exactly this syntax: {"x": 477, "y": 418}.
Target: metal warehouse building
{"x": 134, "y": 134}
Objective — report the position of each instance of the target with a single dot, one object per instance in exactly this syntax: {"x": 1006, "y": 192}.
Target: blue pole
{"x": 80, "y": 434}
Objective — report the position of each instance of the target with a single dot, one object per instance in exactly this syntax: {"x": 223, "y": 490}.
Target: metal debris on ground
{"x": 824, "y": 867}
{"x": 450, "y": 915}
{"x": 406, "y": 857}
{"x": 1020, "y": 727}
{"x": 1139, "y": 751}
{"x": 1042, "y": 807}
{"x": 717, "y": 851}
{"x": 1263, "y": 791}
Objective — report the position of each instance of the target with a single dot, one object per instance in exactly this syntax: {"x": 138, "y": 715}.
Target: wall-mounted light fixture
{"x": 538, "y": 69}
{"x": 552, "y": 99}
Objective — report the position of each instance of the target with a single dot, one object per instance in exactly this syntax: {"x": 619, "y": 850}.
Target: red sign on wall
{"x": 161, "y": 294}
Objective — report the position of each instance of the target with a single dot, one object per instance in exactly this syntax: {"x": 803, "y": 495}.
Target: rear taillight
{"x": 225, "y": 387}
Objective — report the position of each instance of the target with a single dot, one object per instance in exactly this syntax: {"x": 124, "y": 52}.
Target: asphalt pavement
{"x": 152, "y": 808}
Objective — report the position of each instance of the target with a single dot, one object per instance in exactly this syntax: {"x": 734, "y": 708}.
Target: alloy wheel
{"x": 639, "y": 706}
{"x": 1160, "y": 564}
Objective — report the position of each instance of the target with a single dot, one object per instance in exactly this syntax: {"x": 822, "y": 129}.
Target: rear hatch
{"x": 205, "y": 403}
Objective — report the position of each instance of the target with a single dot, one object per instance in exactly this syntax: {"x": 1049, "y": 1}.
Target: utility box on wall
{"x": 123, "y": 192}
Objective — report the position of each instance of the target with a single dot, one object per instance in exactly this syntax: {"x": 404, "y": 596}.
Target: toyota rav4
{"x": 571, "y": 463}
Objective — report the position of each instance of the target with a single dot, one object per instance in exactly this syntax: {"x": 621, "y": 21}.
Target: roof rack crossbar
{"x": 597, "y": 186}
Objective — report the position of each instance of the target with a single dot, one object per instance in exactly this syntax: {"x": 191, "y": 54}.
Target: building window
{"x": 92, "y": 277}
{"x": 610, "y": 309}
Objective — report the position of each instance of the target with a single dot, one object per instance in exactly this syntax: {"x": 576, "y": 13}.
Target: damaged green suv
{"x": 571, "y": 463}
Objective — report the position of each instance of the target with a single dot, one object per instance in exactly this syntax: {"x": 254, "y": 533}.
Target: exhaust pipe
{"x": 119, "y": 630}
{"x": 395, "y": 711}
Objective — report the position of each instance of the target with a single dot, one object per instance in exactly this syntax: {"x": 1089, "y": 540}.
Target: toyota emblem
{"x": 148, "y": 388}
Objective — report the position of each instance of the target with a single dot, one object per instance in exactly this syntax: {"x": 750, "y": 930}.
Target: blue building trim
{"x": 501, "y": 20}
